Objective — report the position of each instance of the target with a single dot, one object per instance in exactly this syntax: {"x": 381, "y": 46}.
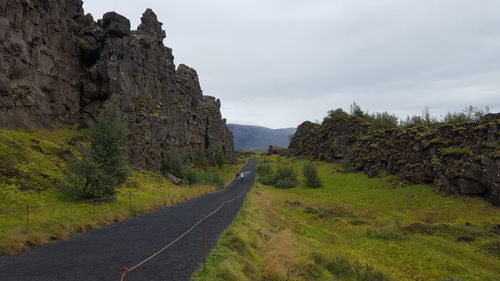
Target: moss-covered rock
{"x": 462, "y": 159}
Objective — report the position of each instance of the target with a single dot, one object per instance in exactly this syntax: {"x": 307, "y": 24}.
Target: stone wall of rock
{"x": 59, "y": 66}
{"x": 273, "y": 149}
{"x": 39, "y": 63}
{"x": 398, "y": 151}
{"x": 461, "y": 159}
{"x": 331, "y": 140}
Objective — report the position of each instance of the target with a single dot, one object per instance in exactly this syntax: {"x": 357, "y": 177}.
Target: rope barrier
{"x": 126, "y": 271}
{"x": 61, "y": 204}
{"x": 47, "y": 206}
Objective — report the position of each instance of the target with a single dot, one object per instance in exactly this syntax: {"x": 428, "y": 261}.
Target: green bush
{"x": 311, "y": 175}
{"x": 385, "y": 234}
{"x": 286, "y": 183}
{"x": 173, "y": 164}
{"x": 268, "y": 179}
{"x": 285, "y": 177}
{"x": 211, "y": 178}
{"x": 104, "y": 164}
{"x": 192, "y": 176}
{"x": 189, "y": 175}
{"x": 468, "y": 114}
{"x": 346, "y": 164}
{"x": 200, "y": 158}
{"x": 383, "y": 120}
{"x": 220, "y": 159}
{"x": 264, "y": 169}
{"x": 266, "y": 174}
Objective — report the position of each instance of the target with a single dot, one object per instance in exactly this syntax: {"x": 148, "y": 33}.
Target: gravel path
{"x": 98, "y": 254}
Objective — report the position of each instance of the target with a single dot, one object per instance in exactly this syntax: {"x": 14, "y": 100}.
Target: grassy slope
{"x": 32, "y": 168}
{"x": 356, "y": 228}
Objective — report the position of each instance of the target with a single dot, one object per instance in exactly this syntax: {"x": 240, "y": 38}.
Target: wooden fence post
{"x": 27, "y": 218}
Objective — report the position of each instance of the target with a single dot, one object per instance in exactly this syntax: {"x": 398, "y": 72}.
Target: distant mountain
{"x": 256, "y": 137}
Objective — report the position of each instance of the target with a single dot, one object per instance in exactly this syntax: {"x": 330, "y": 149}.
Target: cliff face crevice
{"x": 460, "y": 159}
{"x": 59, "y": 66}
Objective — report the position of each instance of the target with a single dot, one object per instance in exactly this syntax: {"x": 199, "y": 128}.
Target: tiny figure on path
{"x": 237, "y": 176}
{"x": 241, "y": 176}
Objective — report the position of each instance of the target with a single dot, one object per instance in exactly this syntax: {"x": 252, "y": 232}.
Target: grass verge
{"x": 356, "y": 228}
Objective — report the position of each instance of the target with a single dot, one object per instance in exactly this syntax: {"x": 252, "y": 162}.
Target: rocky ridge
{"x": 58, "y": 67}
{"x": 459, "y": 159}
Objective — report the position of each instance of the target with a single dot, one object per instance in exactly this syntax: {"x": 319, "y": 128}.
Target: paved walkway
{"x": 99, "y": 254}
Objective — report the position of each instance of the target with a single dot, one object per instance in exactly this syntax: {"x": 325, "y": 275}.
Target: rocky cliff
{"x": 461, "y": 159}
{"x": 59, "y": 66}
{"x": 331, "y": 140}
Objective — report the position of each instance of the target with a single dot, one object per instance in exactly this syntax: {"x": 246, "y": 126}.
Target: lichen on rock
{"x": 461, "y": 159}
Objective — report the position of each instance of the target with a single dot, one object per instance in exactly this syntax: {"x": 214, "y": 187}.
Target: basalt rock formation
{"x": 59, "y": 66}
{"x": 331, "y": 140}
{"x": 460, "y": 159}
{"x": 273, "y": 149}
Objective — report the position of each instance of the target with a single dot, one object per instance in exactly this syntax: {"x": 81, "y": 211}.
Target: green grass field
{"x": 32, "y": 165}
{"x": 357, "y": 228}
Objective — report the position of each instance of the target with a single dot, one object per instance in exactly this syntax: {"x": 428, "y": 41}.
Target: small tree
{"x": 346, "y": 163}
{"x": 311, "y": 175}
{"x": 190, "y": 175}
{"x": 104, "y": 164}
{"x": 469, "y": 114}
{"x": 200, "y": 158}
{"x": 335, "y": 115}
{"x": 355, "y": 110}
{"x": 266, "y": 174}
{"x": 173, "y": 164}
{"x": 383, "y": 120}
{"x": 427, "y": 117}
{"x": 220, "y": 159}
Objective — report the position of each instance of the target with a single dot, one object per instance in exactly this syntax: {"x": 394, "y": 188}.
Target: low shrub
{"x": 264, "y": 169}
{"x": 342, "y": 267}
{"x": 211, "y": 178}
{"x": 192, "y": 176}
{"x": 311, "y": 175}
{"x": 385, "y": 234}
{"x": 269, "y": 179}
{"x": 266, "y": 174}
{"x": 492, "y": 248}
{"x": 286, "y": 183}
{"x": 346, "y": 164}
{"x": 173, "y": 164}
{"x": 201, "y": 159}
{"x": 189, "y": 175}
{"x": 220, "y": 158}
{"x": 285, "y": 177}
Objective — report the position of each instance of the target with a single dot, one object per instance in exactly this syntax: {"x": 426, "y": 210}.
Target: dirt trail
{"x": 99, "y": 254}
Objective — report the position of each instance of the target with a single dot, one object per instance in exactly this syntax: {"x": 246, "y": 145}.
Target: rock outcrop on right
{"x": 458, "y": 159}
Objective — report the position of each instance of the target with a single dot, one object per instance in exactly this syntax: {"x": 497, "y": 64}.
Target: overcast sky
{"x": 276, "y": 63}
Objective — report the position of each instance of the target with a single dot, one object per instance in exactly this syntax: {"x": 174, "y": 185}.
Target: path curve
{"x": 99, "y": 254}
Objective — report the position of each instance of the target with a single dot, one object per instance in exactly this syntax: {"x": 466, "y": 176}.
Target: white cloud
{"x": 277, "y": 63}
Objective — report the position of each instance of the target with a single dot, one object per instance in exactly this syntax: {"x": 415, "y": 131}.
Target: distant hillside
{"x": 248, "y": 137}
